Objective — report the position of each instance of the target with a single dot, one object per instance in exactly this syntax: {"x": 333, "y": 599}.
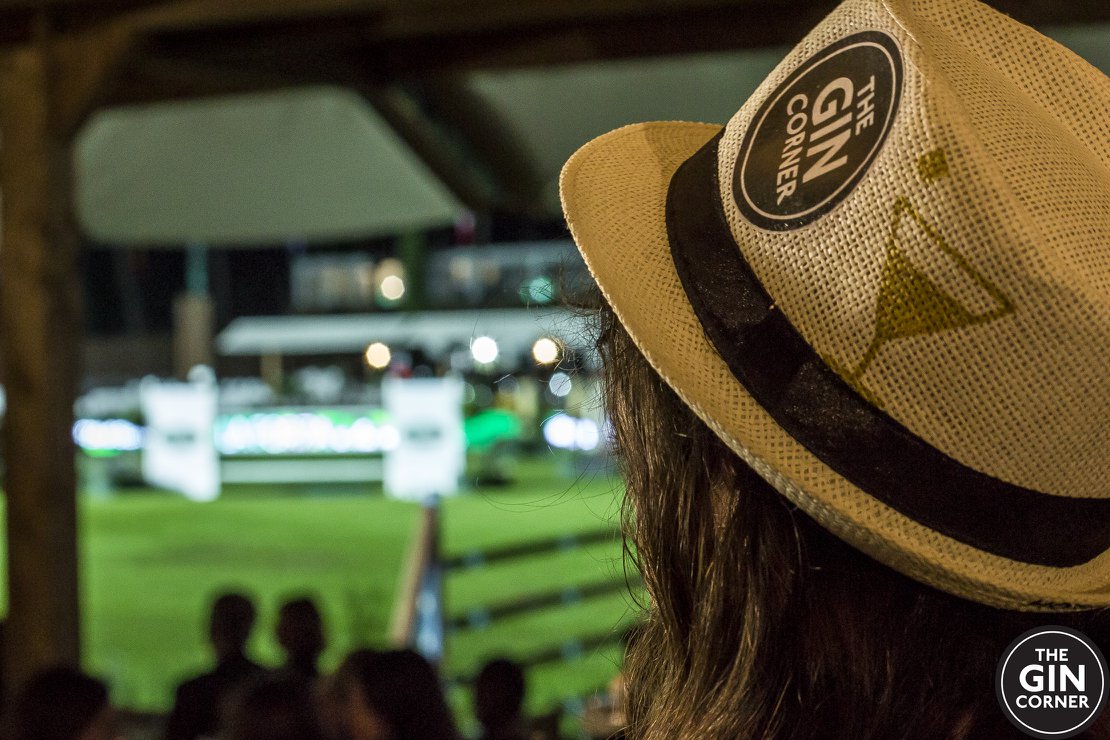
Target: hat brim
{"x": 614, "y": 192}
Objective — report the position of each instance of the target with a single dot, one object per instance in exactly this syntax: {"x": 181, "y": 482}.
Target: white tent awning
{"x": 514, "y": 329}
{"x": 309, "y": 164}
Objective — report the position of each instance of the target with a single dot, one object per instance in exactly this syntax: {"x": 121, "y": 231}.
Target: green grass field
{"x": 152, "y": 562}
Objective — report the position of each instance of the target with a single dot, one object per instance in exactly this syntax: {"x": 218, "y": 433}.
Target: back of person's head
{"x": 780, "y": 629}
{"x": 300, "y": 629}
{"x": 230, "y": 624}
{"x": 272, "y": 707}
{"x": 854, "y": 356}
{"x": 401, "y": 691}
{"x": 499, "y": 694}
{"x": 61, "y": 703}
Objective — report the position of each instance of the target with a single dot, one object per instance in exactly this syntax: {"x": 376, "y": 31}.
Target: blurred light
{"x": 390, "y": 278}
{"x": 237, "y": 436}
{"x": 366, "y": 436}
{"x": 484, "y": 350}
{"x": 538, "y": 290}
{"x": 559, "y": 385}
{"x": 545, "y": 351}
{"x": 285, "y": 433}
{"x": 341, "y": 439}
{"x": 507, "y": 384}
{"x": 378, "y": 356}
{"x": 317, "y": 431}
{"x": 559, "y": 431}
{"x": 392, "y": 288}
{"x": 587, "y": 436}
{"x": 108, "y": 434}
{"x": 568, "y": 433}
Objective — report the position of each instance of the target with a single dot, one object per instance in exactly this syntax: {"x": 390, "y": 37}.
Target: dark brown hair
{"x": 58, "y": 703}
{"x": 763, "y": 625}
{"x": 273, "y": 707}
{"x": 231, "y": 622}
{"x": 402, "y": 689}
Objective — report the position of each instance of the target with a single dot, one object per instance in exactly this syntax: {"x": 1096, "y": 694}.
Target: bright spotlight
{"x": 560, "y": 385}
{"x": 587, "y": 435}
{"x": 559, "y": 431}
{"x": 545, "y": 351}
{"x": 392, "y": 287}
{"x": 378, "y": 356}
{"x": 484, "y": 350}
{"x": 570, "y": 433}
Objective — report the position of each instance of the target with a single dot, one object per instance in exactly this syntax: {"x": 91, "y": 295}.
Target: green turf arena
{"x": 151, "y": 561}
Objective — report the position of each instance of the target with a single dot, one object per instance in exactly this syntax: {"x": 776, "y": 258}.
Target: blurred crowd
{"x": 372, "y": 695}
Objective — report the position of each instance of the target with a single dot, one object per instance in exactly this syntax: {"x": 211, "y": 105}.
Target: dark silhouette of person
{"x": 275, "y": 706}
{"x": 300, "y": 633}
{"x": 62, "y": 703}
{"x": 198, "y": 702}
{"x": 393, "y": 695}
{"x": 498, "y": 700}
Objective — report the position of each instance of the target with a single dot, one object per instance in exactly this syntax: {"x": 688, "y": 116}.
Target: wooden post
{"x": 40, "y": 332}
{"x": 194, "y": 317}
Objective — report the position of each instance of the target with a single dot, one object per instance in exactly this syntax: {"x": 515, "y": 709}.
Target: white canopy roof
{"x": 514, "y": 330}
{"x": 308, "y": 164}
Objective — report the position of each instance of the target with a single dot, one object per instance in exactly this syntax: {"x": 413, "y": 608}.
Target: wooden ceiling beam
{"x": 157, "y": 80}
{"x": 383, "y": 60}
{"x": 188, "y": 15}
{"x": 694, "y": 31}
{"x": 432, "y": 22}
{"x": 406, "y": 44}
{"x": 482, "y": 131}
{"x": 91, "y": 64}
{"x": 442, "y": 18}
{"x": 447, "y": 154}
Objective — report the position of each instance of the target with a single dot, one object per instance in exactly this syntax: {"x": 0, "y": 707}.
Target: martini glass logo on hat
{"x": 1051, "y": 682}
{"x": 813, "y": 139}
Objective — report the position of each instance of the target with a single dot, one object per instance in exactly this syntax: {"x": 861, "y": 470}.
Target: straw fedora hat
{"x": 885, "y": 284}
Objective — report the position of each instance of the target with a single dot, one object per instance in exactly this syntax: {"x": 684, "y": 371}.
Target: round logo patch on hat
{"x": 814, "y": 137}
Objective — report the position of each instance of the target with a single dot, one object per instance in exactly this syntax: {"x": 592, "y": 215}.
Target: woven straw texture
{"x": 994, "y": 183}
